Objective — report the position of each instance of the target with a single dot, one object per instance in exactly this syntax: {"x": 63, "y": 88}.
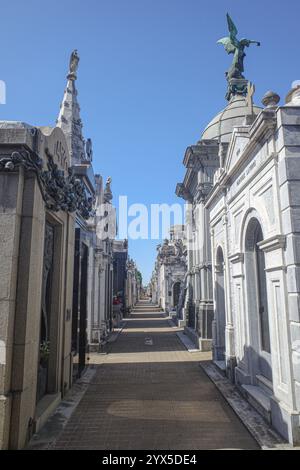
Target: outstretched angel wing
{"x": 224, "y": 41}
{"x": 231, "y": 27}
{"x": 229, "y": 44}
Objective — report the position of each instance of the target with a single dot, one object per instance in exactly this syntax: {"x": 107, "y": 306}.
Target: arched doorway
{"x": 176, "y": 294}
{"x": 257, "y": 311}
{"x": 220, "y": 312}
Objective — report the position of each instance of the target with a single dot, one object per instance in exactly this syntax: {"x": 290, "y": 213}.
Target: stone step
{"x": 258, "y": 399}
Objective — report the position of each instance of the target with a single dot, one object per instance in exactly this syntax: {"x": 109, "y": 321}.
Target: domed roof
{"x": 232, "y": 116}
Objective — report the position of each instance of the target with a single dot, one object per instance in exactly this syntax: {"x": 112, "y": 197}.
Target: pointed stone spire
{"x": 69, "y": 116}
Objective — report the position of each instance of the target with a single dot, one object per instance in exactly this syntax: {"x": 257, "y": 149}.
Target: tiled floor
{"x": 150, "y": 393}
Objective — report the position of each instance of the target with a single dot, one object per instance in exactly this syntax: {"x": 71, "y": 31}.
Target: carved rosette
{"x": 59, "y": 192}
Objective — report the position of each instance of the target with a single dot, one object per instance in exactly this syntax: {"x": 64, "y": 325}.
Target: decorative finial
{"x": 270, "y": 99}
{"x": 73, "y": 66}
{"x": 237, "y": 84}
{"x": 107, "y": 191}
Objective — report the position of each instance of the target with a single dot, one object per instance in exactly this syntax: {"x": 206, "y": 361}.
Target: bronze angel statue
{"x": 234, "y": 46}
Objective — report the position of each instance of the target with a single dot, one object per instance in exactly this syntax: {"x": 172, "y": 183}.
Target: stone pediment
{"x": 245, "y": 138}
{"x": 238, "y": 142}
{"x": 202, "y": 154}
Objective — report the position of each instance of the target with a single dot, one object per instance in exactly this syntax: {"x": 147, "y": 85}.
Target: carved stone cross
{"x": 249, "y": 97}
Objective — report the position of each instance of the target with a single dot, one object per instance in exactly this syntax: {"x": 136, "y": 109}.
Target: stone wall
{"x": 30, "y": 166}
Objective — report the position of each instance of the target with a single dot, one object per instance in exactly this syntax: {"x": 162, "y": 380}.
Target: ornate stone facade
{"x": 133, "y": 285}
{"x": 254, "y": 235}
{"x": 36, "y": 282}
{"x": 196, "y": 309}
{"x": 170, "y": 269}
{"x": 241, "y": 187}
{"x": 56, "y": 282}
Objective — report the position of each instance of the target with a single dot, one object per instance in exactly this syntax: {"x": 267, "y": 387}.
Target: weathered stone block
{"x": 9, "y": 230}
{"x": 17, "y": 133}
{"x": 24, "y": 410}
{"x": 30, "y": 269}
{"x": 8, "y": 277}
{"x": 293, "y": 279}
{"x": 5, "y": 367}
{"x": 7, "y": 321}
{"x": 291, "y": 134}
{"x": 287, "y": 152}
{"x": 294, "y": 307}
{"x": 295, "y": 336}
{"x": 290, "y": 194}
{"x": 5, "y": 409}
{"x": 9, "y": 189}
{"x": 288, "y": 116}
{"x": 24, "y": 365}
{"x": 287, "y": 220}
{"x": 291, "y": 220}
{"x": 33, "y": 203}
{"x": 289, "y": 169}
{"x": 296, "y": 365}
{"x": 292, "y": 251}
{"x": 285, "y": 422}
{"x": 284, "y": 196}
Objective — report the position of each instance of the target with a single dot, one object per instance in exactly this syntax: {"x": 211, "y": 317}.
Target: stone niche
{"x": 39, "y": 196}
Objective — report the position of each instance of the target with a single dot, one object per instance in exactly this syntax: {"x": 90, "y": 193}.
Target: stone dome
{"x": 232, "y": 116}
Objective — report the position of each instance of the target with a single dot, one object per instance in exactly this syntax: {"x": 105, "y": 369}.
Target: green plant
{"x": 44, "y": 351}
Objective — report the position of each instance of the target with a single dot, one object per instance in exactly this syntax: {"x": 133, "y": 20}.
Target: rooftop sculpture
{"x": 237, "y": 84}
{"x": 73, "y": 65}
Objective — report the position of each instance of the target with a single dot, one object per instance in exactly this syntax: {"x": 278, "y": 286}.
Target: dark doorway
{"x": 220, "y": 313}
{"x": 45, "y": 346}
{"x": 257, "y": 301}
{"x": 191, "y": 308}
{"x": 176, "y": 293}
{"x": 79, "y": 316}
{"x": 83, "y": 308}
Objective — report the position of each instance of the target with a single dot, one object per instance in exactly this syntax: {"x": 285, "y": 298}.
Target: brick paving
{"x": 148, "y": 392}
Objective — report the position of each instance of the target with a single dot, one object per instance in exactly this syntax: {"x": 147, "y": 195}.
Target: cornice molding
{"x": 204, "y": 151}
{"x": 59, "y": 192}
{"x": 273, "y": 243}
{"x": 236, "y": 258}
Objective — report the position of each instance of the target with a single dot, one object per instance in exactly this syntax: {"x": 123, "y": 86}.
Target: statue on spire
{"x": 237, "y": 84}
{"x": 107, "y": 191}
{"x": 73, "y": 66}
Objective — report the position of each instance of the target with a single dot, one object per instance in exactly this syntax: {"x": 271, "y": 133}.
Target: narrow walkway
{"x": 150, "y": 393}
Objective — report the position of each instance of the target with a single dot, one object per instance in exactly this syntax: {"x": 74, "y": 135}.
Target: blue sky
{"x": 151, "y": 77}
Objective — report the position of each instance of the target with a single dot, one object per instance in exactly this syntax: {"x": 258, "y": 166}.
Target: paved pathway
{"x": 150, "y": 393}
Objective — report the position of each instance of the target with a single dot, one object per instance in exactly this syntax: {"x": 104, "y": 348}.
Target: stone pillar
{"x": 214, "y": 322}
{"x": 205, "y": 275}
{"x": 27, "y": 314}
{"x": 288, "y": 150}
{"x": 91, "y": 287}
{"x": 229, "y": 330}
{"x": 22, "y": 221}
{"x": 11, "y": 197}
{"x": 96, "y": 318}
